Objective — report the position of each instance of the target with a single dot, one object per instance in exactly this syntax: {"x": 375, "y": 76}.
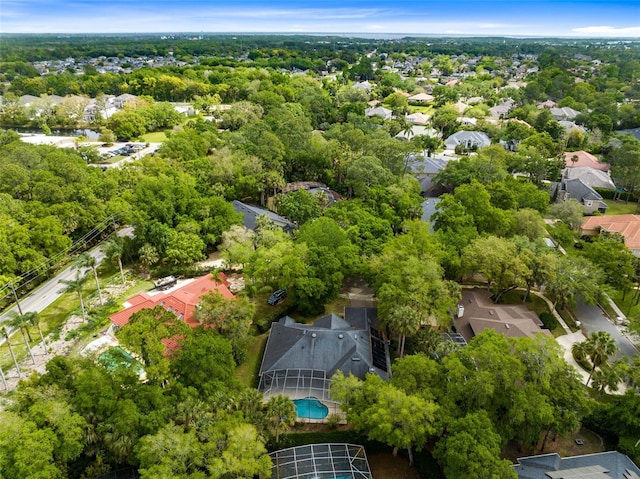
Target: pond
{"x": 86, "y": 132}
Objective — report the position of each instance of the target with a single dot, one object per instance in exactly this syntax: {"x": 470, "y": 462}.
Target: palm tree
{"x": 113, "y": 248}
{"x": 600, "y": 346}
{"x": 34, "y": 319}
{"x": 5, "y": 333}
{"x": 404, "y": 320}
{"x": 4, "y": 379}
{"x": 148, "y": 257}
{"x": 22, "y": 323}
{"x": 75, "y": 286}
{"x": 85, "y": 260}
{"x": 281, "y": 414}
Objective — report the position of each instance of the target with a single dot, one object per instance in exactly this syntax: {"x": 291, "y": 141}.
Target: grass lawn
{"x": 628, "y": 306}
{"x": 427, "y": 110}
{"x": 155, "y": 137}
{"x": 51, "y": 319}
{"x": 621, "y": 207}
{"x": 247, "y": 372}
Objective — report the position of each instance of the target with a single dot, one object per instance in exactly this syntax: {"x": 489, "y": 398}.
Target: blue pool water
{"x": 310, "y": 408}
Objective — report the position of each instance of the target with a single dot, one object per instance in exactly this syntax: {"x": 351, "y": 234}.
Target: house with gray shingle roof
{"x": 564, "y": 113}
{"x": 578, "y": 190}
{"x": 602, "y": 465}
{"x": 250, "y": 215}
{"x": 380, "y": 111}
{"x": 425, "y": 169}
{"x": 300, "y": 359}
{"x": 468, "y": 139}
{"x": 592, "y": 177}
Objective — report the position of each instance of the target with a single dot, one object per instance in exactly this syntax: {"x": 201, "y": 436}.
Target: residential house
{"x": 570, "y": 127}
{"x": 379, "y": 111}
{"x": 467, "y": 121}
{"x": 417, "y": 119}
{"x": 502, "y": 110}
{"x": 468, "y": 139}
{"x": 365, "y": 85}
{"x": 626, "y": 225}
{"x": 590, "y": 176}
{"x": 564, "y": 113}
{"x": 425, "y": 169}
{"x": 121, "y": 100}
{"x": 477, "y": 312}
{"x": 574, "y": 159}
{"x": 315, "y": 188}
{"x": 300, "y": 359}
{"x": 250, "y": 214}
{"x": 601, "y": 465}
{"x": 461, "y": 107}
{"x": 547, "y": 104}
{"x": 180, "y": 300}
{"x": 421, "y": 98}
{"x": 578, "y": 190}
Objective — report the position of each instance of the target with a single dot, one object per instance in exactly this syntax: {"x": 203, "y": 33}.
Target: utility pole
{"x": 15, "y": 295}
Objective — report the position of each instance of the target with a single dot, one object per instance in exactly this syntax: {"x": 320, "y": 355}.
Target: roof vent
{"x": 340, "y": 336}
{"x": 313, "y": 335}
{"x": 507, "y": 326}
{"x": 355, "y": 358}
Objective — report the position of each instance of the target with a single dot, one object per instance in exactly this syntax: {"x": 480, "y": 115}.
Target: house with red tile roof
{"x": 626, "y": 225}
{"x": 180, "y": 300}
{"x": 582, "y": 158}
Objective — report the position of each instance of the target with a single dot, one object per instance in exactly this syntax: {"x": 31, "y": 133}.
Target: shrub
{"x": 549, "y": 321}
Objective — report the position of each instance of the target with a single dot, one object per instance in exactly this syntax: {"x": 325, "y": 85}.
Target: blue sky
{"x": 575, "y": 18}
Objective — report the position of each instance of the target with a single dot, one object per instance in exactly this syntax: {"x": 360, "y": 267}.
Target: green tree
{"x": 599, "y": 347}
{"x": 498, "y": 261}
{"x": 232, "y": 318}
{"x": 569, "y": 211}
{"x": 127, "y": 124}
{"x": 280, "y": 414}
{"x": 86, "y": 260}
{"x": 113, "y": 249}
{"x": 471, "y": 448}
{"x": 34, "y": 319}
{"x": 299, "y": 206}
{"x": 571, "y": 277}
{"x": 385, "y": 413}
{"x": 143, "y": 336}
{"x": 76, "y": 286}
{"x": 7, "y": 338}
{"x": 22, "y": 323}
{"x": 26, "y": 450}
{"x": 204, "y": 361}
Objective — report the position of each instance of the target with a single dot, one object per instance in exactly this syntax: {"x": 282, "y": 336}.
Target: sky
{"x": 565, "y": 18}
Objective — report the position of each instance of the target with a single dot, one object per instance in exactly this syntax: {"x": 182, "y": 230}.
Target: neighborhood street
{"x": 49, "y": 291}
{"x": 593, "y": 319}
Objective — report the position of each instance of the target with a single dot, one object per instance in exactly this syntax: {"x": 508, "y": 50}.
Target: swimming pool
{"x": 310, "y": 408}
{"x": 115, "y": 356}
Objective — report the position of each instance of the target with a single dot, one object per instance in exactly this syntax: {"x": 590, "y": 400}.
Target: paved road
{"x": 49, "y": 291}
{"x": 593, "y": 319}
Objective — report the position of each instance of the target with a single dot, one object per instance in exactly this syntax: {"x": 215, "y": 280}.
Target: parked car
{"x": 277, "y": 297}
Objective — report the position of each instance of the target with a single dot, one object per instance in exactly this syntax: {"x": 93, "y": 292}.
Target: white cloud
{"x": 608, "y": 31}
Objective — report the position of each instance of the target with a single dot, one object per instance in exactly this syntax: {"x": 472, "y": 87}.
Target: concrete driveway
{"x": 593, "y": 319}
